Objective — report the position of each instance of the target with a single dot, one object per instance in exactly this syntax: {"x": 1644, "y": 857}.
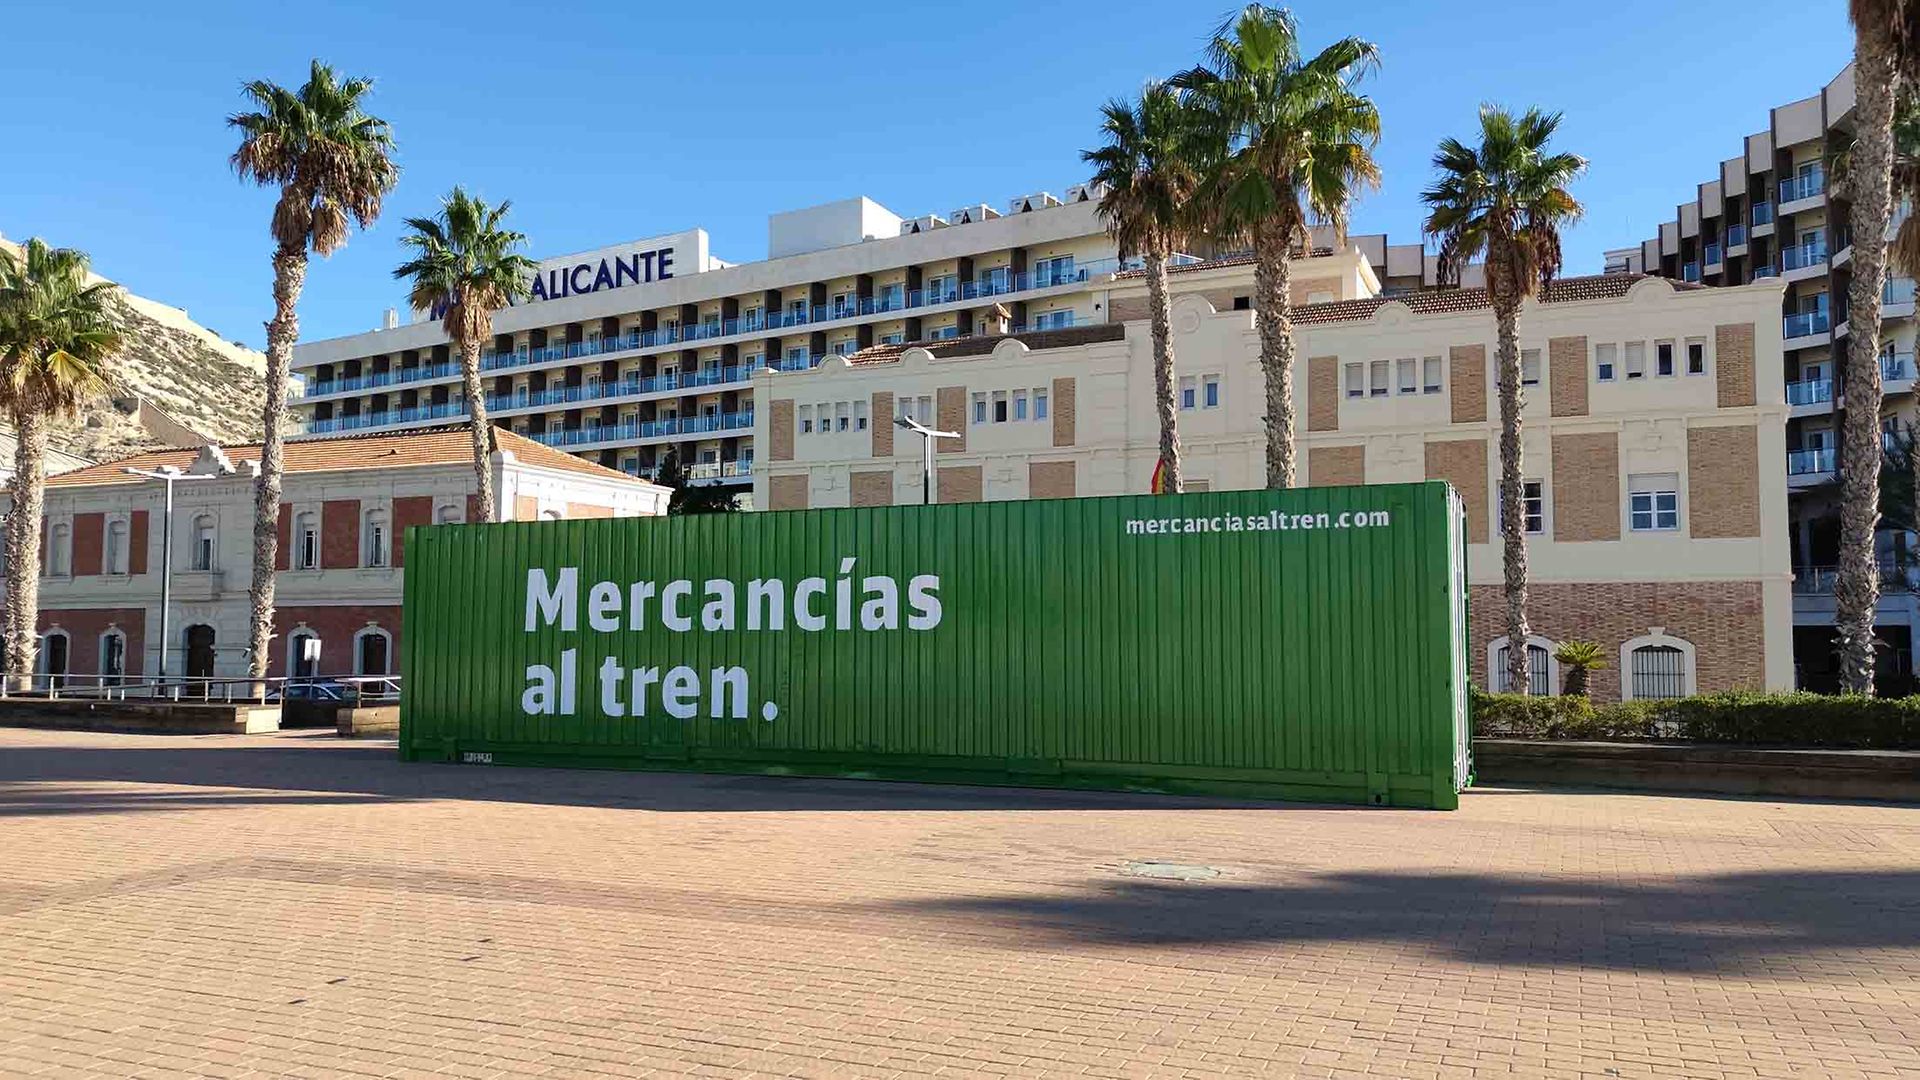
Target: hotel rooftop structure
{"x": 625, "y": 351}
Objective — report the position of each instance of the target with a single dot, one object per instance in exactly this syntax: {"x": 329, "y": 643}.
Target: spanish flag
{"x": 1159, "y": 484}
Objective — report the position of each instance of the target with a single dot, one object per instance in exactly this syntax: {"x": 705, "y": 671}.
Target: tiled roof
{"x": 448, "y": 445}
{"x": 1438, "y": 301}
{"x": 983, "y": 345}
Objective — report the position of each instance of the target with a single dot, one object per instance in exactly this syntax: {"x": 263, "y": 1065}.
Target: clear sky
{"x": 609, "y": 120}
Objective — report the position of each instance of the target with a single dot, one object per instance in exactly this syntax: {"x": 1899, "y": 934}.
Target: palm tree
{"x": 1580, "y": 659}
{"x": 1507, "y": 200}
{"x": 466, "y": 263}
{"x": 57, "y": 333}
{"x": 1293, "y": 147}
{"x": 1147, "y": 169}
{"x": 1883, "y": 53}
{"x": 333, "y": 164}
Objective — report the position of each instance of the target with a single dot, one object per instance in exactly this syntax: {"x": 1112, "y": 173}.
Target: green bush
{"x": 1738, "y": 717}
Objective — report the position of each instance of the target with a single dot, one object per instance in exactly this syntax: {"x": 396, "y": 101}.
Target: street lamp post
{"x": 167, "y": 474}
{"x": 927, "y": 436}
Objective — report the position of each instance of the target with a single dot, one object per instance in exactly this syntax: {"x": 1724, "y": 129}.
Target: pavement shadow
{"x": 334, "y": 774}
{"x": 1718, "y": 923}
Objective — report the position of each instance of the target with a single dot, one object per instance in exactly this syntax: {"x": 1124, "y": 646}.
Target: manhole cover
{"x": 1169, "y": 871}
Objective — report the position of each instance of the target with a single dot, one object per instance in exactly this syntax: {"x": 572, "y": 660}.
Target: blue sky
{"x": 607, "y": 120}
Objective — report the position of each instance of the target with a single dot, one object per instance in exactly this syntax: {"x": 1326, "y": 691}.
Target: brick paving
{"x": 295, "y": 906}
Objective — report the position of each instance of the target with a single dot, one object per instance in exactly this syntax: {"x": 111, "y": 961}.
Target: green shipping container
{"x": 1305, "y": 644}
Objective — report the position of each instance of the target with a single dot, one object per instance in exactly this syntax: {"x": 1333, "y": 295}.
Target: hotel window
{"x": 859, "y": 416}
{"x": 842, "y": 417}
{"x": 1408, "y": 371}
{"x": 1636, "y": 359}
{"x": 999, "y": 406}
{"x": 1696, "y": 356}
{"x": 1019, "y": 404}
{"x": 375, "y": 552}
{"x": 753, "y": 318}
{"x": 979, "y": 408}
{"x": 1431, "y": 377}
{"x": 203, "y": 542}
{"x": 1055, "y": 271}
{"x": 1356, "y": 380}
{"x": 1189, "y": 392}
{"x": 942, "y": 289}
{"x": 843, "y": 305}
{"x": 1053, "y": 320}
{"x": 1533, "y": 504}
{"x": 797, "y": 309}
{"x": 116, "y": 560}
{"x": 1377, "y": 375}
{"x": 806, "y": 419}
{"x": 752, "y": 360}
{"x": 898, "y": 337}
{"x": 1605, "y": 357}
{"x": 1529, "y": 367}
{"x": 1653, "y": 502}
{"x": 1663, "y": 358}
{"x": 846, "y": 347}
{"x": 1040, "y": 404}
{"x": 797, "y": 357}
{"x": 1210, "y": 392}
{"x": 993, "y": 281}
{"x": 893, "y": 296}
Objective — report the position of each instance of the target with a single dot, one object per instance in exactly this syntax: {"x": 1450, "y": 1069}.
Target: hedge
{"x": 1736, "y": 717}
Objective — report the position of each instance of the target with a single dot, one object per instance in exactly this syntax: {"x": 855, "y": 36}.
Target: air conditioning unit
{"x": 1091, "y": 191}
{"x": 923, "y": 223}
{"x": 967, "y": 215}
{"x": 1039, "y": 200}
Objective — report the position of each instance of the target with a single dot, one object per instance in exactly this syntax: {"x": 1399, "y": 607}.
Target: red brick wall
{"x": 84, "y": 627}
{"x": 336, "y": 627}
{"x": 408, "y": 511}
{"x": 339, "y": 533}
{"x": 1722, "y": 619}
{"x": 89, "y": 536}
{"x": 137, "y": 542}
{"x": 473, "y": 508}
{"x": 283, "y": 546}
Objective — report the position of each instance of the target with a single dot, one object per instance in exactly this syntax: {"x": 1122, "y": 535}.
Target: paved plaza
{"x": 293, "y": 905}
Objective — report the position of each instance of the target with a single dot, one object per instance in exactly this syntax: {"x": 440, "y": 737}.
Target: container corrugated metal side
{"x": 1301, "y": 644}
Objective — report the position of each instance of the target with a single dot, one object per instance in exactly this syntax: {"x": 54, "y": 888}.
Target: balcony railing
{"x": 1766, "y": 271}
{"x": 1809, "y": 462}
{"x": 1898, "y": 291}
{"x": 1818, "y": 580}
{"x": 1803, "y": 187}
{"x": 395, "y": 377}
{"x": 1806, "y": 323}
{"x": 383, "y": 417}
{"x": 682, "y": 380}
{"x": 1809, "y": 391}
{"x": 719, "y": 470}
{"x": 1713, "y": 256}
{"x": 1736, "y": 235}
{"x": 645, "y": 429}
{"x": 1762, "y": 213}
{"x": 1690, "y": 271}
{"x": 1801, "y": 256}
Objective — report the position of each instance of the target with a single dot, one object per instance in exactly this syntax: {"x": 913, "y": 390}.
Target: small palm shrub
{"x": 1579, "y": 659}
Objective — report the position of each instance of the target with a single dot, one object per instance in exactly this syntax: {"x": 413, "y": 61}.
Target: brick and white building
{"x": 347, "y": 504}
{"x": 1654, "y": 441}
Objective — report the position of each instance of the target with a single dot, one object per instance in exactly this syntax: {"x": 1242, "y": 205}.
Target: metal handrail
{"x": 228, "y": 689}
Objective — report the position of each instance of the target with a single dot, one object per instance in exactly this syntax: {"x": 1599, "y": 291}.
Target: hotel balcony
{"x": 630, "y": 431}
{"x": 735, "y": 376}
{"x": 768, "y": 324}
{"x": 1803, "y": 261}
{"x": 1800, "y": 193}
{"x": 1690, "y": 271}
{"x": 1736, "y": 239}
{"x": 1713, "y": 258}
{"x": 1806, "y": 468}
{"x": 1818, "y": 580}
{"x": 1896, "y": 302}
{"x": 1762, "y": 219}
{"x": 1814, "y": 397}
{"x": 1765, "y": 271}
{"x": 1807, "y": 329}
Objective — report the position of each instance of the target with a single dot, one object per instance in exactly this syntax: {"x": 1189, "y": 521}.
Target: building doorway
{"x": 53, "y": 660}
{"x": 372, "y": 658}
{"x": 199, "y": 640}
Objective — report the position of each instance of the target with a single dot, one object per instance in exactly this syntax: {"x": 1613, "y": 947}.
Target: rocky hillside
{"x": 178, "y": 367}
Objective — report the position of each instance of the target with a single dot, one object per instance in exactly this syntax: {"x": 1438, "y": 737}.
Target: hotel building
{"x": 1773, "y": 212}
{"x": 625, "y": 351}
{"x": 1654, "y": 441}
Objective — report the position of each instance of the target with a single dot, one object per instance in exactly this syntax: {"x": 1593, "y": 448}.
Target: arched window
{"x": 113, "y": 656}
{"x": 449, "y": 514}
{"x": 306, "y": 542}
{"x": 372, "y": 651}
{"x": 1543, "y": 671}
{"x": 1655, "y": 666}
{"x": 115, "y": 555}
{"x": 204, "y": 534}
{"x": 59, "y": 560}
{"x": 376, "y": 539}
{"x": 303, "y": 654}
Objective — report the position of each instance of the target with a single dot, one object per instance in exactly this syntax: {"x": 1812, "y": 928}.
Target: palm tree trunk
{"x": 1856, "y": 588}
{"x": 1161, "y": 317}
{"x": 23, "y": 545}
{"x": 289, "y": 275}
{"x": 477, "y": 409}
{"x": 1513, "y": 504}
{"x": 1272, "y": 285}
